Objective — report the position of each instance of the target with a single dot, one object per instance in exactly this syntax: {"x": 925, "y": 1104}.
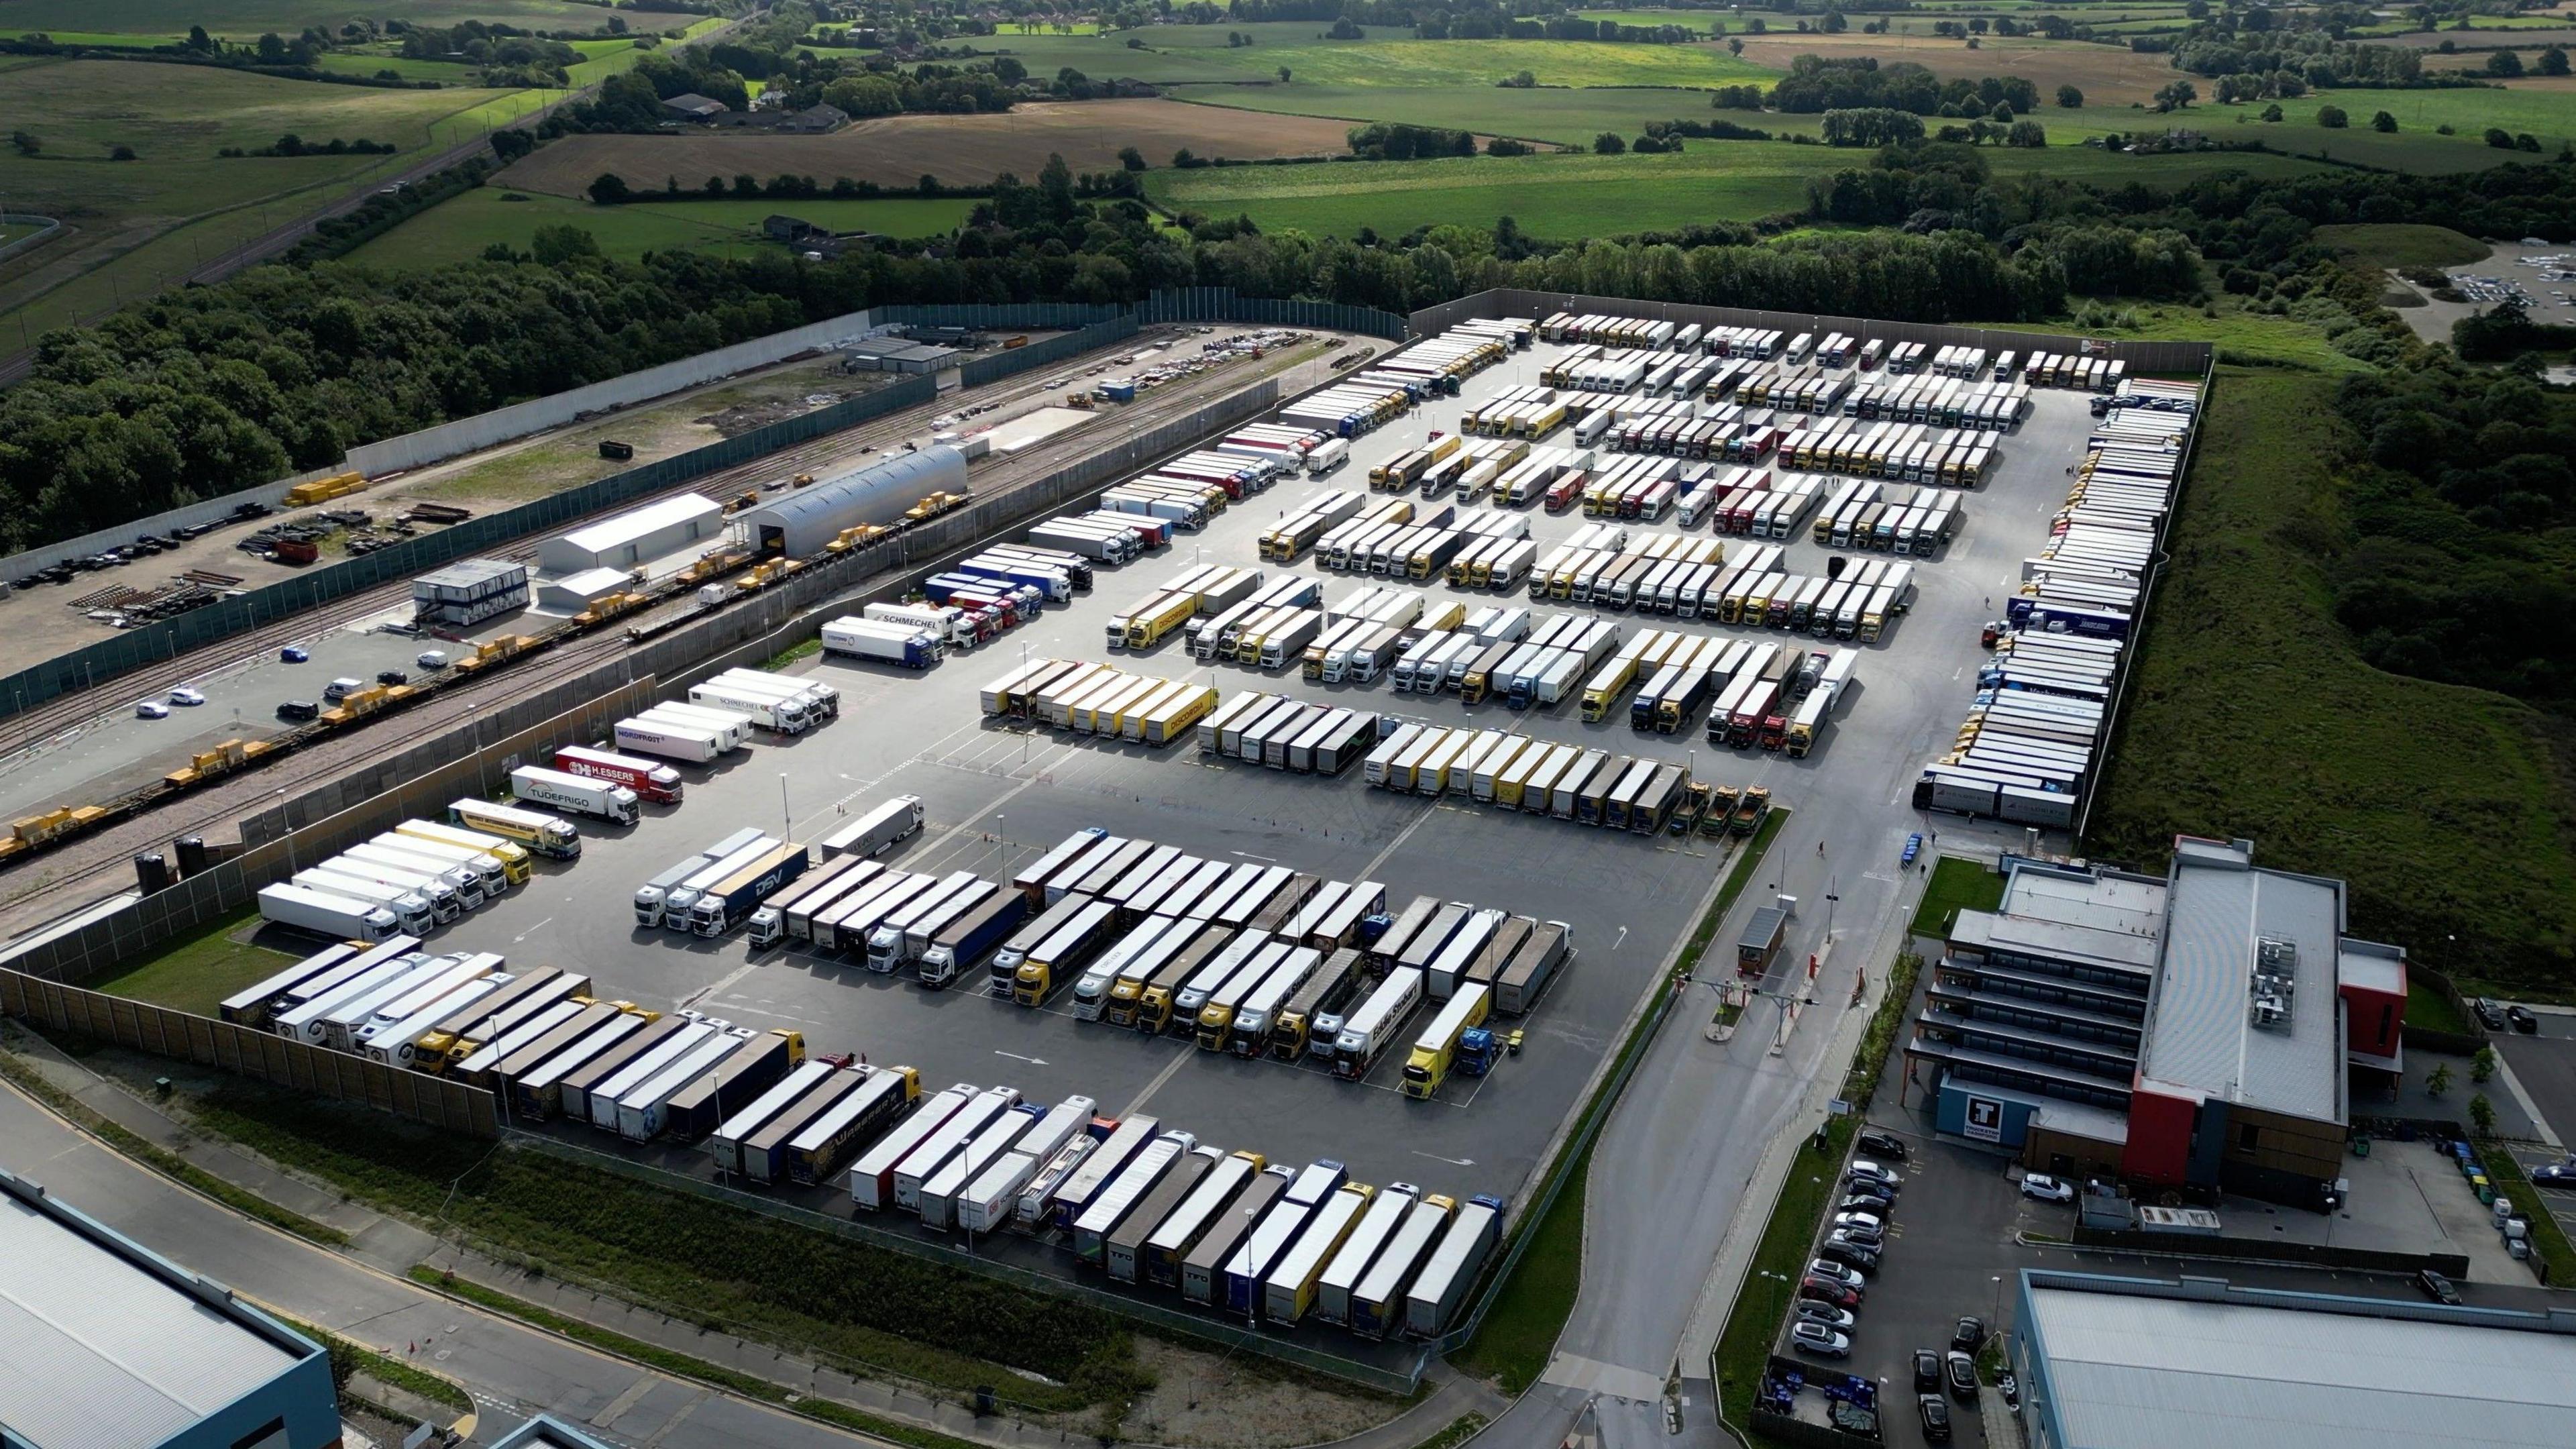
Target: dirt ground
{"x": 1209, "y": 1401}
{"x": 2105, "y": 76}
{"x": 969, "y": 150}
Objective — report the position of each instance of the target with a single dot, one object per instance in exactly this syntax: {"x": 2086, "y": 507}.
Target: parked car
{"x": 2046, "y": 1188}
{"x": 1927, "y": 1371}
{"x": 2522, "y": 1019}
{"x": 2556, "y": 1174}
{"x": 2490, "y": 1012}
{"x": 1882, "y": 1144}
{"x": 183, "y": 695}
{"x": 1968, "y": 1332}
{"x": 151, "y": 709}
{"x": 1864, "y": 1170}
{"x": 1936, "y": 1418}
{"x": 392, "y": 676}
{"x": 296, "y": 711}
{"x": 1960, "y": 1372}
{"x": 1819, "y": 1340}
{"x": 1848, "y": 1277}
{"x": 1829, "y": 1290}
{"x": 1850, "y": 1252}
{"x": 294, "y": 654}
{"x": 2437, "y": 1287}
{"x": 1864, "y": 1202}
{"x": 1861, "y": 1222}
{"x": 1828, "y": 1315}
{"x": 432, "y": 659}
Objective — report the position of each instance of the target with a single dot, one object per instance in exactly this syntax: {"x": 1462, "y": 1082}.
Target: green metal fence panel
{"x": 1224, "y": 304}
{"x": 1048, "y": 316}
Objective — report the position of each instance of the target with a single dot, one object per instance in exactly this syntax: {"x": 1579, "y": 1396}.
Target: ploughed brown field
{"x": 2106, "y": 76}
{"x": 897, "y": 151}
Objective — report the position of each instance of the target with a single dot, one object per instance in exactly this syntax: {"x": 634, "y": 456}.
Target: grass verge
{"x": 2251, "y": 715}
{"x": 682, "y": 1365}
{"x": 1518, "y": 1334}
{"x": 2429, "y": 1010}
{"x": 864, "y": 1309}
{"x": 2548, "y": 1235}
{"x": 1957, "y": 885}
{"x": 195, "y": 974}
{"x": 1771, "y": 1279}
{"x": 794, "y": 652}
{"x": 168, "y": 1164}
{"x": 350, "y": 1359}
{"x": 1460, "y": 1430}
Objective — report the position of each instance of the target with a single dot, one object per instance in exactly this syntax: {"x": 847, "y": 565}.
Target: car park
{"x": 1960, "y": 1372}
{"x": 1841, "y": 1319}
{"x": 1927, "y": 1371}
{"x": 183, "y": 695}
{"x": 1864, "y": 1202}
{"x": 2047, "y": 1189}
{"x": 1829, "y": 1290}
{"x": 1861, "y": 1222}
{"x": 1819, "y": 1340}
{"x": 1969, "y": 1332}
{"x": 1936, "y": 1418}
{"x": 151, "y": 709}
{"x": 2522, "y": 1018}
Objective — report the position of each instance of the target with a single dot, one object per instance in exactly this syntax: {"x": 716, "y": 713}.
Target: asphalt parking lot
{"x": 998, "y": 794}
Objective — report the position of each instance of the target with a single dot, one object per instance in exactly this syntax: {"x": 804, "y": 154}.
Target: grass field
{"x": 2430, "y": 1010}
{"x": 1957, "y": 885}
{"x": 2250, "y": 715}
{"x": 2394, "y": 244}
{"x": 197, "y": 973}
{"x": 461, "y": 228}
{"x": 1513, "y": 1345}
{"x": 1576, "y": 195}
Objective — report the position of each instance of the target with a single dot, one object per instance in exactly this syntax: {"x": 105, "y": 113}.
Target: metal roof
{"x": 466, "y": 573}
{"x": 2372, "y": 967}
{"x": 2287, "y": 1371}
{"x": 639, "y": 523}
{"x": 547, "y": 1432}
{"x": 104, "y": 1345}
{"x": 2201, "y": 1036}
{"x": 2103, "y": 900}
{"x": 2055, "y": 940}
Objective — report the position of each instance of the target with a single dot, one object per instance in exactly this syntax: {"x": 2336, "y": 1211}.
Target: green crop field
{"x": 2548, "y": 115}
{"x": 461, "y": 228}
{"x": 1578, "y": 195}
{"x": 1567, "y": 117}
{"x": 2393, "y": 244}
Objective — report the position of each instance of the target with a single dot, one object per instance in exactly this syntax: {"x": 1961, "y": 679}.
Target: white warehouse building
{"x": 636, "y": 536}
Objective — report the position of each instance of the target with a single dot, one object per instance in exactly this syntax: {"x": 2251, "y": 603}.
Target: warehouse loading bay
{"x": 999, "y": 794}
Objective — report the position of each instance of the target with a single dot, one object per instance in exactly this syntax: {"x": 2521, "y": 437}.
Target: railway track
{"x": 49, "y": 884}
{"x": 41, "y": 725}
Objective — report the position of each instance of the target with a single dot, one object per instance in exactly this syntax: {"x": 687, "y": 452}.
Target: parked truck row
{"x": 2026, "y": 751}
{"x": 406, "y": 882}
{"x": 1907, "y": 452}
{"x": 1890, "y": 518}
{"x": 1097, "y": 699}
{"x": 1663, "y": 576}
{"x": 1193, "y": 594}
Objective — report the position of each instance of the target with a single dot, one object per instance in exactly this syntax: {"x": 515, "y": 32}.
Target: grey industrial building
{"x": 2197, "y": 1029}
{"x": 896, "y": 354}
{"x": 107, "y": 1345}
{"x": 2197, "y": 1363}
{"x": 799, "y": 524}
{"x": 545, "y": 1431}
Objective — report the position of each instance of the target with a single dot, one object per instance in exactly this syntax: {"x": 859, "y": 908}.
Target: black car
{"x": 1927, "y": 1371}
{"x": 2437, "y": 1287}
{"x": 2489, "y": 1012}
{"x": 1969, "y": 1332}
{"x": 1849, "y": 1254}
{"x": 392, "y": 676}
{"x": 1936, "y": 1418}
{"x": 1881, "y": 1144}
{"x": 2522, "y": 1019}
{"x": 296, "y": 711}
{"x": 1960, "y": 1372}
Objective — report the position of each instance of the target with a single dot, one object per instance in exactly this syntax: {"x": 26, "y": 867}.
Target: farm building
{"x": 690, "y": 106}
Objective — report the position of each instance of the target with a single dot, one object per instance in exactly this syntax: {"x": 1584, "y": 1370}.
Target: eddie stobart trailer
{"x": 1453, "y": 1267}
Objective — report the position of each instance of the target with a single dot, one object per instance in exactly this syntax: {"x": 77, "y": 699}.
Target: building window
{"x": 2388, "y": 1023}
{"x": 271, "y": 1435}
{"x": 2244, "y": 1136}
